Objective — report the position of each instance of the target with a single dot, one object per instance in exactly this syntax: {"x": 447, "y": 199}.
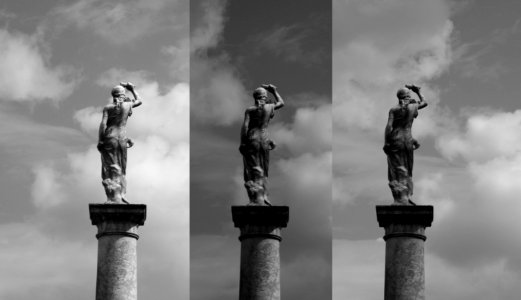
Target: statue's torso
{"x": 117, "y": 115}
{"x": 403, "y": 118}
{"x": 260, "y": 117}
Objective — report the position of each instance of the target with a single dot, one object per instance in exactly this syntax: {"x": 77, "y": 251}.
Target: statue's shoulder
{"x": 394, "y": 108}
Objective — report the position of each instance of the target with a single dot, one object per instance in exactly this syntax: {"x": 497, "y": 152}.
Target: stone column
{"x": 404, "y": 239}
{"x": 117, "y": 249}
{"x": 260, "y": 260}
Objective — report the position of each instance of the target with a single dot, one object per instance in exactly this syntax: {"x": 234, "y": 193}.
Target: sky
{"x": 465, "y": 56}
{"x": 58, "y": 63}
{"x": 235, "y": 47}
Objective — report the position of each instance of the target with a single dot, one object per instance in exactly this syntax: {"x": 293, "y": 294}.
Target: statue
{"x": 255, "y": 144}
{"x": 400, "y": 145}
{"x": 113, "y": 143}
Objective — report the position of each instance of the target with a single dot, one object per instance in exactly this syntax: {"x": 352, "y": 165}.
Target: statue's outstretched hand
{"x": 269, "y": 87}
{"x": 413, "y": 88}
{"x": 128, "y": 85}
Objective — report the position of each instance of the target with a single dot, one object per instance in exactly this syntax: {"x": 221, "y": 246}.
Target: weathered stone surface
{"x": 113, "y": 142}
{"x": 255, "y": 144}
{"x": 117, "y": 249}
{"x": 404, "y": 250}
{"x": 400, "y": 145}
{"x": 260, "y": 260}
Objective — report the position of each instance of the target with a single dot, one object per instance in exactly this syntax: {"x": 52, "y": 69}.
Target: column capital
{"x": 387, "y": 215}
{"x": 135, "y": 213}
{"x": 276, "y": 216}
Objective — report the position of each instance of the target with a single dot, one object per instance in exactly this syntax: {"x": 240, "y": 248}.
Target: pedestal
{"x": 404, "y": 239}
{"x": 117, "y": 252}
{"x": 260, "y": 239}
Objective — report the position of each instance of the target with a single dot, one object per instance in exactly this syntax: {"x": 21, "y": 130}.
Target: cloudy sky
{"x": 235, "y": 47}
{"x": 465, "y": 55}
{"x": 58, "y": 62}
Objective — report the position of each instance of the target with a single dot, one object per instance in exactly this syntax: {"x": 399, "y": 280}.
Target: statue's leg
{"x": 248, "y": 162}
{"x": 108, "y": 157}
{"x": 264, "y": 161}
{"x": 398, "y": 176}
{"x": 122, "y": 154}
{"x": 409, "y": 162}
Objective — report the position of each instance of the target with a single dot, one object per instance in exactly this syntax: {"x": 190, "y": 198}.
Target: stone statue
{"x": 113, "y": 143}
{"x": 255, "y": 144}
{"x": 400, "y": 145}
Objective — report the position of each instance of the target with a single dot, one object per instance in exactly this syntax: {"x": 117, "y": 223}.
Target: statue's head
{"x": 117, "y": 91}
{"x": 403, "y": 94}
{"x": 260, "y": 94}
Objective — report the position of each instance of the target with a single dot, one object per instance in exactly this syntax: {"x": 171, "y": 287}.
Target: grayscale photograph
{"x": 260, "y": 150}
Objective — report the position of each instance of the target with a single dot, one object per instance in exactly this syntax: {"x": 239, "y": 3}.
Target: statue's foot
{"x": 124, "y": 199}
{"x": 407, "y": 202}
{"x": 401, "y": 201}
{"x": 267, "y": 202}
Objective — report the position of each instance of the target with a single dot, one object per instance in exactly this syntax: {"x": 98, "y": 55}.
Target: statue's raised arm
{"x": 255, "y": 144}
{"x": 113, "y": 142}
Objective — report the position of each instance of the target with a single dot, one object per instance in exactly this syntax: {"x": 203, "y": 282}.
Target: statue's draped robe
{"x": 114, "y": 149}
{"x": 257, "y": 145}
{"x": 400, "y": 157}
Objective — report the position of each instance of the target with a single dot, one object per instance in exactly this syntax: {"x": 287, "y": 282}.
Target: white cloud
{"x": 180, "y": 62}
{"x": 26, "y": 74}
{"x": 290, "y": 43}
{"x": 431, "y": 188}
{"x": 380, "y": 46}
{"x": 219, "y": 97}
{"x": 114, "y": 76}
{"x": 311, "y": 131}
{"x": 485, "y": 137}
{"x": 46, "y": 190}
{"x": 122, "y": 21}
{"x": 207, "y": 33}
{"x": 490, "y": 281}
{"x": 308, "y": 174}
